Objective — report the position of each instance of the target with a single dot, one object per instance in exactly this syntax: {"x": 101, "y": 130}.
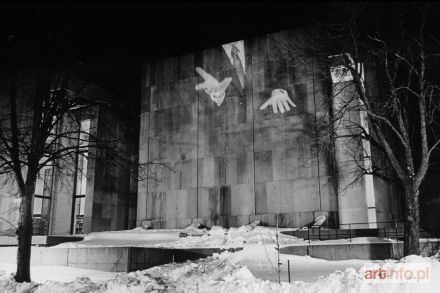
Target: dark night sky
{"x": 113, "y": 39}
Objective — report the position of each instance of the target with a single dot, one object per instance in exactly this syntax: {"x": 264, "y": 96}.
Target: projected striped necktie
{"x": 237, "y": 64}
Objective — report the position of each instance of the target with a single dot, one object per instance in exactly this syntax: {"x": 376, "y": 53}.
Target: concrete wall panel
{"x": 235, "y": 163}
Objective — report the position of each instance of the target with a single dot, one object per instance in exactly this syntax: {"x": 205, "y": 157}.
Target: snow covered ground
{"x": 245, "y": 235}
{"x": 221, "y": 273}
{"x": 216, "y": 237}
{"x": 253, "y": 269}
{"x": 261, "y": 260}
{"x": 41, "y": 274}
{"x": 134, "y": 237}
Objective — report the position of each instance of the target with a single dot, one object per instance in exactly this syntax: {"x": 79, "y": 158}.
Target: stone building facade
{"x": 233, "y": 164}
{"x": 98, "y": 195}
{"x": 219, "y": 165}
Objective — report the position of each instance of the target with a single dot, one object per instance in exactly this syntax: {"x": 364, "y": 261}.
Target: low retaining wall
{"x": 367, "y": 251}
{"x": 39, "y": 255}
{"x": 50, "y": 240}
{"x": 111, "y": 259}
{"x": 330, "y": 234}
{"x": 127, "y": 259}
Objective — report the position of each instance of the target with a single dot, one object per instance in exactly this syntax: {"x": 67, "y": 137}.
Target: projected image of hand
{"x": 279, "y": 100}
{"x": 216, "y": 90}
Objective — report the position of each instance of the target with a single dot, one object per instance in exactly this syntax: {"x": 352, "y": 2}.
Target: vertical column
{"x": 63, "y": 191}
{"x": 355, "y": 195}
{"x": 144, "y": 134}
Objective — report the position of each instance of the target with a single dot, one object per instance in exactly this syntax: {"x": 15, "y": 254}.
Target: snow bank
{"x": 135, "y": 237}
{"x": 224, "y": 273}
{"x": 216, "y": 237}
{"x": 43, "y": 273}
{"x": 253, "y": 269}
{"x": 219, "y": 237}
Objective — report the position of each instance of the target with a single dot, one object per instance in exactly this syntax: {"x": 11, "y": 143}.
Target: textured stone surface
{"x": 232, "y": 164}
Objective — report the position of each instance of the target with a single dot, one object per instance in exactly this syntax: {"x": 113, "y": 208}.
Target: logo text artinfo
{"x": 397, "y": 273}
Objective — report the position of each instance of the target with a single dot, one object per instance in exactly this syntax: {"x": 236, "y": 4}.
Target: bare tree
{"x": 41, "y": 127}
{"x": 387, "y": 116}
{"x": 402, "y": 120}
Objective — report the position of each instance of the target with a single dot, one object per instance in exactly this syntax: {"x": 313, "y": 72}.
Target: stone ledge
{"x": 49, "y": 240}
{"x": 367, "y": 251}
{"x": 111, "y": 259}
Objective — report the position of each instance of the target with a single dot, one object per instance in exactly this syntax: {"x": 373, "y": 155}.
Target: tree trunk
{"x": 412, "y": 220}
{"x": 25, "y": 235}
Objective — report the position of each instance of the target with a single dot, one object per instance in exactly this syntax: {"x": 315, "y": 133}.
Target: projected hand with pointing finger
{"x": 279, "y": 99}
{"x": 216, "y": 90}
